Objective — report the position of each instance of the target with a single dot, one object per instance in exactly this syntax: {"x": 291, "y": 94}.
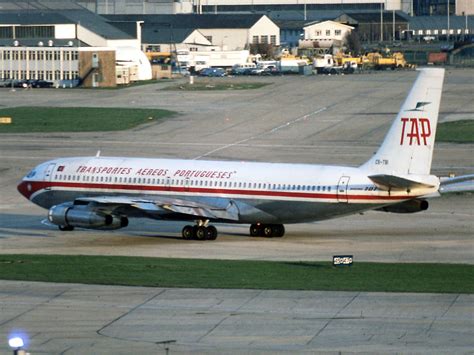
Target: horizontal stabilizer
{"x": 463, "y": 183}
{"x": 393, "y": 182}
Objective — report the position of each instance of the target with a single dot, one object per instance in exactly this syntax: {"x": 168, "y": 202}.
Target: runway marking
{"x": 273, "y": 130}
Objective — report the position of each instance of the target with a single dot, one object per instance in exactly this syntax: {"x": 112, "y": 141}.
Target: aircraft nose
{"x": 24, "y": 188}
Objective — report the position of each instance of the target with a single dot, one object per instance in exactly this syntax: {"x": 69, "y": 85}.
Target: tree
{"x": 266, "y": 50}
{"x": 352, "y": 41}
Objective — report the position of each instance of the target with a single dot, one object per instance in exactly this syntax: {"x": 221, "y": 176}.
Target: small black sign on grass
{"x": 342, "y": 260}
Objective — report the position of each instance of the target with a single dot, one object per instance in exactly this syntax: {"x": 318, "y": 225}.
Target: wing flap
{"x": 163, "y": 205}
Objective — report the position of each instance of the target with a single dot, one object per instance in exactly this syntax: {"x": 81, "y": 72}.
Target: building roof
{"x": 441, "y": 22}
{"x": 85, "y": 18}
{"x": 194, "y": 21}
{"x": 34, "y": 17}
{"x": 355, "y": 18}
{"x": 327, "y": 21}
{"x": 31, "y": 5}
{"x": 166, "y": 35}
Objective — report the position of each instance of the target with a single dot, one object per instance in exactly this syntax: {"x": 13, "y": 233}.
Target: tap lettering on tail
{"x": 415, "y": 131}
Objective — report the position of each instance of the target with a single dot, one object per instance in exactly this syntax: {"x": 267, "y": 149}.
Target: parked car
{"x": 266, "y": 70}
{"x": 182, "y": 71}
{"x": 212, "y": 72}
{"x": 243, "y": 69}
{"x": 39, "y": 83}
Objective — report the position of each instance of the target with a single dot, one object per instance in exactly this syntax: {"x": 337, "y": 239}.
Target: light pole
{"x": 447, "y": 12}
{"x": 381, "y": 21}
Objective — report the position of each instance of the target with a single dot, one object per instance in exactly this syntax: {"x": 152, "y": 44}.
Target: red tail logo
{"x": 415, "y": 131}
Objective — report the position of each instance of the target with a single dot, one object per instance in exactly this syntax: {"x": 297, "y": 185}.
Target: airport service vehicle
{"x": 104, "y": 192}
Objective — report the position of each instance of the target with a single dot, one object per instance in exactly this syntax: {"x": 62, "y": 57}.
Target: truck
{"x": 328, "y": 64}
{"x": 198, "y": 60}
{"x": 396, "y": 60}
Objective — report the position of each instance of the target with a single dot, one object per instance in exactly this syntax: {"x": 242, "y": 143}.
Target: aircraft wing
{"x": 162, "y": 206}
{"x": 463, "y": 183}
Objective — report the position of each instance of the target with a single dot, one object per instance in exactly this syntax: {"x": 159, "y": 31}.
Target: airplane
{"x": 101, "y": 192}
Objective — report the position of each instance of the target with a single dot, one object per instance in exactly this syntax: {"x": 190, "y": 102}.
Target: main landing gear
{"x": 267, "y": 230}
{"x": 201, "y": 231}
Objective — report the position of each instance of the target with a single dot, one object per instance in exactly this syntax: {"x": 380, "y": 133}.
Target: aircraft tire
{"x": 268, "y": 231}
{"x": 188, "y": 232}
{"x": 201, "y": 233}
{"x": 255, "y": 230}
{"x": 279, "y": 230}
{"x": 211, "y": 233}
{"x": 66, "y": 228}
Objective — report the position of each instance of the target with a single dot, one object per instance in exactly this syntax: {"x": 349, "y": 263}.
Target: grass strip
{"x": 456, "y": 131}
{"x": 77, "y": 119}
{"x": 211, "y": 86}
{"x": 199, "y": 273}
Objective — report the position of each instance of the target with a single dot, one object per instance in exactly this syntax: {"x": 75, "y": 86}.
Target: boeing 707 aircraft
{"x": 104, "y": 192}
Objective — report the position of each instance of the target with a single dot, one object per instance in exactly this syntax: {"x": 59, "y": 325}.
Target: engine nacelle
{"x": 71, "y": 216}
{"x": 411, "y": 206}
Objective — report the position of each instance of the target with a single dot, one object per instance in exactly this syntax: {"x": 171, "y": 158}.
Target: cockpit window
{"x": 31, "y": 174}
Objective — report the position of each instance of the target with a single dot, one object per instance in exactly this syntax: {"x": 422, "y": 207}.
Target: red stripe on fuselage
{"x": 36, "y": 186}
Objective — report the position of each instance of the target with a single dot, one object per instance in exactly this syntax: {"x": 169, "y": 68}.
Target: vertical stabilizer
{"x": 408, "y": 145}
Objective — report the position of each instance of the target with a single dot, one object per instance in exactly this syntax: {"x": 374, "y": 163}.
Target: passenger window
{"x": 324, "y": 188}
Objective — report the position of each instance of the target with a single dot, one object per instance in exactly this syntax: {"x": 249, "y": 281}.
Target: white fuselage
{"x": 262, "y": 192}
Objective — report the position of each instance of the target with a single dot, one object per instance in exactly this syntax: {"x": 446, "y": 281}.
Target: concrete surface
{"x": 338, "y": 120}
{"x": 321, "y": 119}
{"x": 84, "y": 319}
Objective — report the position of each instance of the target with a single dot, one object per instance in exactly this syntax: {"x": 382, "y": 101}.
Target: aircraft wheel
{"x": 279, "y": 230}
{"x": 188, "y": 232}
{"x": 211, "y": 233}
{"x": 268, "y": 231}
{"x": 66, "y": 228}
{"x": 201, "y": 233}
{"x": 255, "y": 230}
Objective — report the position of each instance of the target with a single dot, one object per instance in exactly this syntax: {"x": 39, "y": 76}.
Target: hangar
{"x": 234, "y": 31}
{"x": 66, "y": 46}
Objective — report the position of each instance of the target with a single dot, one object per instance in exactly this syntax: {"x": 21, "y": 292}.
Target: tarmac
{"x": 322, "y": 119}
{"x": 90, "y": 319}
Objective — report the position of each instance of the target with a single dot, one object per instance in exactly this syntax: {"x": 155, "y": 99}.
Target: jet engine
{"x": 67, "y": 217}
{"x": 410, "y": 206}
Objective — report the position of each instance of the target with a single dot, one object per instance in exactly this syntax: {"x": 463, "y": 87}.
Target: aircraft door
{"x": 48, "y": 173}
{"x": 342, "y": 189}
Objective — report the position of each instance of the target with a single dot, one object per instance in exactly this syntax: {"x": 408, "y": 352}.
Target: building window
{"x": 328, "y": 32}
{"x": 34, "y": 32}
{"x": 6, "y": 32}
{"x": 318, "y": 33}
{"x": 337, "y": 32}
{"x": 273, "y": 39}
{"x": 255, "y": 39}
{"x": 264, "y": 39}
{"x": 193, "y": 49}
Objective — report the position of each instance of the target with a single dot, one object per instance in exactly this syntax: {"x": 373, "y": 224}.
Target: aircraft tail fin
{"x": 408, "y": 145}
